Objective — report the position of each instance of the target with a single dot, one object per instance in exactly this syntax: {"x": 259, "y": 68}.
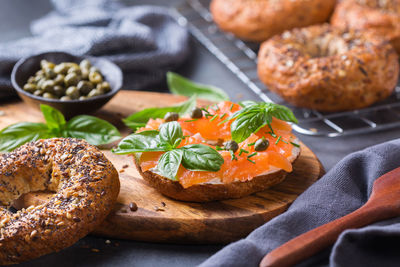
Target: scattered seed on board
{"x": 133, "y": 206}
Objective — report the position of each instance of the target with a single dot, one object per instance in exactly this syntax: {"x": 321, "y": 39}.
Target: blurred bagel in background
{"x": 258, "y": 20}
{"x": 379, "y": 16}
{"x": 329, "y": 69}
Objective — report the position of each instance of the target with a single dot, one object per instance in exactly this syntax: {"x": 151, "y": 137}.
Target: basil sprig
{"x": 139, "y": 119}
{"x": 255, "y": 115}
{"x": 96, "y": 131}
{"x": 181, "y": 86}
{"x": 194, "y": 157}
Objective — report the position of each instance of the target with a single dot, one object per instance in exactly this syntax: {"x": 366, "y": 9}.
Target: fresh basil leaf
{"x": 280, "y": 112}
{"x": 139, "y": 119}
{"x": 94, "y": 130}
{"x": 146, "y": 141}
{"x": 169, "y": 163}
{"x": 200, "y": 157}
{"x": 248, "y": 123}
{"x": 54, "y": 119}
{"x": 181, "y": 86}
{"x": 18, "y": 134}
{"x": 171, "y": 133}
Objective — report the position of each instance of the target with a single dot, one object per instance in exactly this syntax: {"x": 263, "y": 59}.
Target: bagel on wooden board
{"x": 86, "y": 186}
{"x": 380, "y": 17}
{"x": 258, "y": 20}
{"x": 329, "y": 69}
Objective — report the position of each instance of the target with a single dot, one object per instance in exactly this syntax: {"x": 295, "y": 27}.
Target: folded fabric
{"x": 145, "y": 41}
{"x": 342, "y": 190}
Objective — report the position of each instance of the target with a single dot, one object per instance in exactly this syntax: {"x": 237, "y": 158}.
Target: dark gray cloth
{"x": 145, "y": 41}
{"x": 342, "y": 190}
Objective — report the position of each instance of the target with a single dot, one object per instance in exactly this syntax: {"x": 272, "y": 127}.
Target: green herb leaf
{"x": 253, "y": 116}
{"x": 181, "y": 86}
{"x": 139, "y": 119}
{"x": 171, "y": 134}
{"x": 18, "y": 134}
{"x": 94, "y": 130}
{"x": 248, "y": 123}
{"x": 169, "y": 162}
{"x": 146, "y": 141}
{"x": 54, "y": 119}
{"x": 200, "y": 157}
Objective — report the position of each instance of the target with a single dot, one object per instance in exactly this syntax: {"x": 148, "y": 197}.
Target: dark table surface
{"x": 15, "y": 17}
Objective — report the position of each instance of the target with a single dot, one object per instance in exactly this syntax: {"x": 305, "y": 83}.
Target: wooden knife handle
{"x": 313, "y": 241}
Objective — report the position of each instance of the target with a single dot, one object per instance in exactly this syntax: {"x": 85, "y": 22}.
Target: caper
{"x": 85, "y": 87}
{"x": 75, "y": 70}
{"x": 46, "y": 64}
{"x": 40, "y": 73}
{"x": 31, "y": 79}
{"x": 61, "y": 68}
{"x": 48, "y": 95}
{"x": 58, "y": 90}
{"x": 72, "y": 65}
{"x": 30, "y": 87}
{"x": 82, "y": 97}
{"x": 85, "y": 64}
{"x": 65, "y": 98}
{"x": 38, "y": 78}
{"x": 38, "y": 93}
{"x": 103, "y": 87}
{"x": 40, "y": 82}
{"x": 93, "y": 93}
{"x": 231, "y": 145}
{"x": 94, "y": 69}
{"x": 95, "y": 77}
{"x": 71, "y": 79}
{"x": 49, "y": 73}
{"x": 196, "y": 113}
{"x": 261, "y": 144}
{"x": 59, "y": 79}
{"x": 171, "y": 116}
{"x": 48, "y": 86}
{"x": 72, "y": 92}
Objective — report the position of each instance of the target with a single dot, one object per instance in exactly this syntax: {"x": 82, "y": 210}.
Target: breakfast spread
{"x": 219, "y": 152}
{"x": 67, "y": 81}
{"x": 258, "y": 20}
{"x": 86, "y": 187}
{"x": 380, "y": 17}
{"x": 328, "y": 69}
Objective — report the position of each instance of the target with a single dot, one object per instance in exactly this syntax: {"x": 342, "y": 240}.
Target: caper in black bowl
{"x": 72, "y": 84}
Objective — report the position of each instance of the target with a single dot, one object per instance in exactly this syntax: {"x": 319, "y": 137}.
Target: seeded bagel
{"x": 380, "y": 17}
{"x": 206, "y": 192}
{"x": 86, "y": 186}
{"x": 258, "y": 20}
{"x": 329, "y": 69}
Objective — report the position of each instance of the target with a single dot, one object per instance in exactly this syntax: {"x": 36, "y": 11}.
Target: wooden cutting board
{"x": 160, "y": 219}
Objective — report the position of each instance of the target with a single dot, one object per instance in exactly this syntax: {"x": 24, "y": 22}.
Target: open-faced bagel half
{"x": 86, "y": 185}
{"x": 380, "y": 17}
{"x": 329, "y": 69}
{"x": 206, "y": 192}
{"x": 258, "y": 20}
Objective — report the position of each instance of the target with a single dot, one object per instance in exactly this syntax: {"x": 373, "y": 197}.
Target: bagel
{"x": 86, "y": 186}
{"x": 207, "y": 192}
{"x": 328, "y": 69}
{"x": 380, "y": 17}
{"x": 258, "y": 20}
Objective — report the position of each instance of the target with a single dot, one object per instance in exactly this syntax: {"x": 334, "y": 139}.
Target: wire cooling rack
{"x": 241, "y": 58}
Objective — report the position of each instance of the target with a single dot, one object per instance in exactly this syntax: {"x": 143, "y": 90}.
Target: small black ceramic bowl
{"x": 28, "y": 66}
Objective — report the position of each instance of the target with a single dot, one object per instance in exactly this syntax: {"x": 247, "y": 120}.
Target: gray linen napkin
{"x": 342, "y": 190}
{"x": 145, "y": 41}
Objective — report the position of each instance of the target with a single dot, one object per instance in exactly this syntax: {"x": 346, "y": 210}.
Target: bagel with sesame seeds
{"x": 380, "y": 17}
{"x": 329, "y": 69}
{"x": 86, "y": 186}
{"x": 258, "y": 20}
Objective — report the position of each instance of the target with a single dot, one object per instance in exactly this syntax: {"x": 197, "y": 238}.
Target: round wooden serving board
{"x": 160, "y": 219}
